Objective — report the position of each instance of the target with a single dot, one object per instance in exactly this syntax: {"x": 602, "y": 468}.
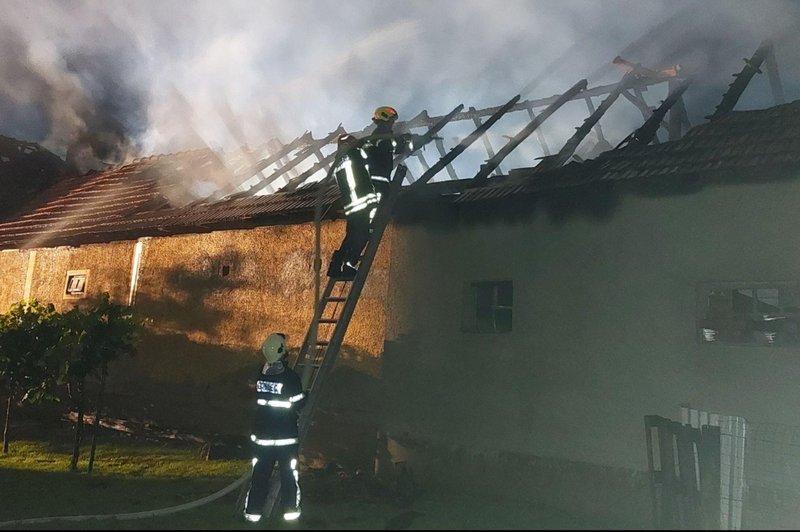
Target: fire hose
{"x": 134, "y": 515}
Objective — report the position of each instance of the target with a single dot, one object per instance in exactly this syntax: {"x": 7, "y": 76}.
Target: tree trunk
{"x": 5, "y": 426}
{"x": 76, "y": 447}
{"x": 96, "y": 426}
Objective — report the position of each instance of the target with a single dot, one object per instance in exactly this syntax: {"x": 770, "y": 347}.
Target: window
{"x": 487, "y": 306}
{"x": 75, "y": 286}
{"x": 748, "y": 313}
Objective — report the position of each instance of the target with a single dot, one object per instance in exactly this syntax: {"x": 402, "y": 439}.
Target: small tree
{"x": 92, "y": 340}
{"x": 28, "y": 357}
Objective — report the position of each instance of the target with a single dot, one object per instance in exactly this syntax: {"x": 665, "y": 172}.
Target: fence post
{"x": 684, "y": 474}
{"x": 710, "y": 471}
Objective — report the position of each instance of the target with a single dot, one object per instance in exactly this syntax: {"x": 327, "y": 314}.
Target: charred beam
{"x": 310, "y": 147}
{"x": 645, "y": 134}
{"x": 323, "y": 164}
{"x": 600, "y": 90}
{"x": 742, "y": 79}
{"x": 302, "y": 156}
{"x": 539, "y": 134}
{"x": 326, "y": 163}
{"x": 637, "y": 99}
{"x": 639, "y": 102}
{"x": 300, "y": 142}
{"x": 559, "y": 159}
{"x": 465, "y": 143}
{"x": 775, "y": 83}
{"x": 443, "y": 153}
{"x": 258, "y": 168}
{"x": 423, "y": 161}
{"x": 486, "y": 144}
{"x": 677, "y": 110}
{"x": 431, "y": 133}
{"x": 492, "y": 163}
{"x": 598, "y": 130}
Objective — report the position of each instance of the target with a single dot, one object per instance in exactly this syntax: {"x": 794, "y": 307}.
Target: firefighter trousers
{"x": 355, "y": 238}
{"x": 263, "y": 463}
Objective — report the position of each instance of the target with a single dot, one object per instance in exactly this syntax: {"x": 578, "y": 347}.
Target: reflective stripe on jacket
{"x": 279, "y": 399}
{"x": 355, "y": 185}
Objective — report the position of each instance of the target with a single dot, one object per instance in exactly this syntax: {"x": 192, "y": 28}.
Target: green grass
{"x": 128, "y": 476}
{"x": 133, "y": 476}
{"x": 121, "y": 458}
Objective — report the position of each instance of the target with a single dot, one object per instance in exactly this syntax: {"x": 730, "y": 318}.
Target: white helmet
{"x": 274, "y": 347}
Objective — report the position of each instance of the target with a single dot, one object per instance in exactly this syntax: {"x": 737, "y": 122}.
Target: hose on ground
{"x": 134, "y": 515}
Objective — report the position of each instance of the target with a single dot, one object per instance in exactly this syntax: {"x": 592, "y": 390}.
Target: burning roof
{"x": 191, "y": 191}
{"x": 25, "y": 170}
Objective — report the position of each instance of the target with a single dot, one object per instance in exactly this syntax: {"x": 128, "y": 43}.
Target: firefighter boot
{"x": 335, "y": 266}
{"x": 348, "y": 272}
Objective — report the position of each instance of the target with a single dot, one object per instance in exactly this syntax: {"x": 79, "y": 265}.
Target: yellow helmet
{"x": 385, "y": 113}
{"x": 274, "y": 347}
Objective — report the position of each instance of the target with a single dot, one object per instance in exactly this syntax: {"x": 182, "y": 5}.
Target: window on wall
{"x": 76, "y": 284}
{"x": 749, "y": 313}
{"x": 487, "y": 306}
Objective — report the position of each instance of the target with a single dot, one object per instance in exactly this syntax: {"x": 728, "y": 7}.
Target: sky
{"x": 108, "y": 80}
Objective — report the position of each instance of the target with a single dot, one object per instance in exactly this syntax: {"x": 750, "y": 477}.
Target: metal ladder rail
{"x": 327, "y": 350}
{"x": 320, "y": 317}
{"x": 344, "y": 302}
{"x": 326, "y": 316}
{"x": 330, "y": 348}
{"x": 322, "y": 305}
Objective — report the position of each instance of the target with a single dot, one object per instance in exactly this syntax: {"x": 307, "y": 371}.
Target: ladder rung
{"x": 327, "y": 320}
{"x": 322, "y": 342}
{"x": 336, "y": 299}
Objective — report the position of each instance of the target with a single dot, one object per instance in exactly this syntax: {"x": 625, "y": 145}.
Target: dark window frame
{"x": 488, "y": 307}
{"x": 76, "y": 284}
{"x": 748, "y": 313}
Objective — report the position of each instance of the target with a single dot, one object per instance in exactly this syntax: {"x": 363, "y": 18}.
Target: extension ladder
{"x": 338, "y": 300}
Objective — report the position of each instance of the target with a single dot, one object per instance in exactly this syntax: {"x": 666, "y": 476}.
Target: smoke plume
{"x": 102, "y": 81}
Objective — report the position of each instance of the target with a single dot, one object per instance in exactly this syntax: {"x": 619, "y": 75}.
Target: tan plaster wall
{"x": 109, "y": 268}
{"x": 203, "y": 328}
{"x": 13, "y": 267}
{"x": 270, "y": 286}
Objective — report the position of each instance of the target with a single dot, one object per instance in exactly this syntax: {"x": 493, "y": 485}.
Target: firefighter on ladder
{"x": 279, "y": 398}
{"x": 382, "y": 146}
{"x": 363, "y": 168}
{"x": 361, "y": 202}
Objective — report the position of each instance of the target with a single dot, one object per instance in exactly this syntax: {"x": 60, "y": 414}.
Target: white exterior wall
{"x": 603, "y": 324}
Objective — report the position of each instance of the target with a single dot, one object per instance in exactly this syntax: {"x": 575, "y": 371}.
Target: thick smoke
{"x": 72, "y": 99}
{"x": 102, "y": 81}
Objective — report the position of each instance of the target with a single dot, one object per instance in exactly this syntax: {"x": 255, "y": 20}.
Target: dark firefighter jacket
{"x": 279, "y": 399}
{"x": 381, "y": 148}
{"x": 354, "y": 180}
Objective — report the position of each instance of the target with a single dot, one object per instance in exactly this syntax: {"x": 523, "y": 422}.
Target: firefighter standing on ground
{"x": 279, "y": 398}
{"x": 363, "y": 171}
